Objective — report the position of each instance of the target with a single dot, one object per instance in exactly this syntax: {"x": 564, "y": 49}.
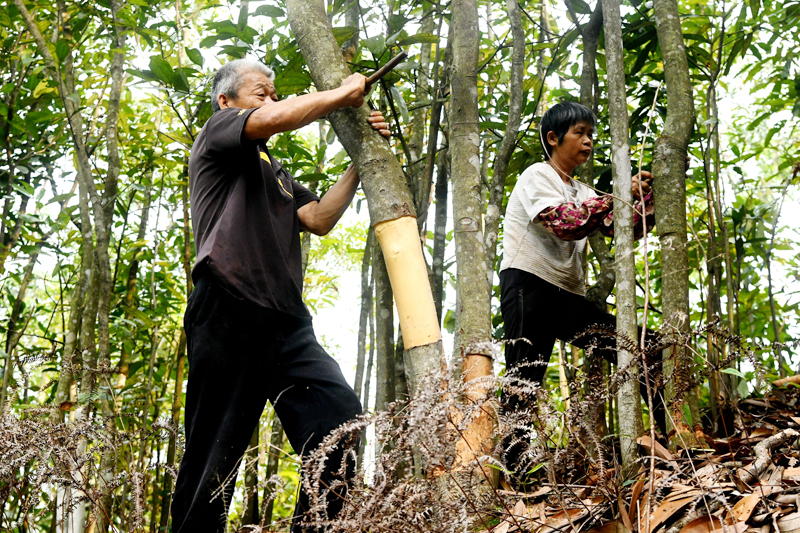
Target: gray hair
{"x": 228, "y": 79}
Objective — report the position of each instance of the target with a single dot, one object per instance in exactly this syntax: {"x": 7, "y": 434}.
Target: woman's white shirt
{"x": 527, "y": 245}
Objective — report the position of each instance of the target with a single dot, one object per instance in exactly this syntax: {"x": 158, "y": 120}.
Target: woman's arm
{"x": 607, "y": 227}
{"x": 571, "y": 222}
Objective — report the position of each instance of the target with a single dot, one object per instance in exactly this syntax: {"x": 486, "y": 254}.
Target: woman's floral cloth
{"x": 571, "y": 222}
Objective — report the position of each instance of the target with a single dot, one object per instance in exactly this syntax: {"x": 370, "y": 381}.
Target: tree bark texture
{"x": 474, "y": 346}
{"x": 384, "y": 335}
{"x": 390, "y": 201}
{"x": 366, "y": 308}
{"x": 498, "y": 185}
{"x": 440, "y": 230}
{"x": 131, "y": 288}
{"x": 629, "y": 408}
{"x": 606, "y": 278}
{"x": 465, "y": 164}
{"x": 669, "y": 183}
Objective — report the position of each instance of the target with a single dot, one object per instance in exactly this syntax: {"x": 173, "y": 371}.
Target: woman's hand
{"x": 379, "y": 123}
{"x": 643, "y": 179}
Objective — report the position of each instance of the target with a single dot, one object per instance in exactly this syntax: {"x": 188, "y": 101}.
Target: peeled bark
{"x": 629, "y": 408}
{"x": 390, "y": 203}
{"x": 669, "y": 183}
{"x": 494, "y": 210}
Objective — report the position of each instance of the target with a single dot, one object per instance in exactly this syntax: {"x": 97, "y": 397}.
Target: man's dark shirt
{"x": 244, "y": 215}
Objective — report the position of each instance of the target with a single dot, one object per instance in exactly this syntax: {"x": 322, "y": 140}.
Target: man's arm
{"x": 320, "y": 217}
{"x": 294, "y": 113}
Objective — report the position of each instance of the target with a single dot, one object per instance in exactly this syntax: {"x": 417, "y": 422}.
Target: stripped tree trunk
{"x": 629, "y": 409}
{"x": 474, "y": 325}
{"x": 390, "y": 203}
{"x": 669, "y": 173}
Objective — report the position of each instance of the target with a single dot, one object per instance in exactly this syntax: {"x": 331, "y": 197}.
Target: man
{"x": 249, "y": 335}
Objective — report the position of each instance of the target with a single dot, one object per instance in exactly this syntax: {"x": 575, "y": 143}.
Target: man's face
{"x": 257, "y": 90}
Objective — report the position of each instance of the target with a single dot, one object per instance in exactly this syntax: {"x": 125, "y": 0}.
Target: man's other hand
{"x": 644, "y": 178}
{"x": 379, "y": 123}
{"x": 356, "y": 84}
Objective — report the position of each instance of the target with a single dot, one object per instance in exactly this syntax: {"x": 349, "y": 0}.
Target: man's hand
{"x": 644, "y": 178}
{"x": 354, "y": 85}
{"x": 379, "y": 123}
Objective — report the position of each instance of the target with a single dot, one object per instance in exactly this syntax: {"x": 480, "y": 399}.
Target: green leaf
{"x": 62, "y": 49}
{"x": 312, "y": 176}
{"x": 181, "y": 81}
{"x": 291, "y": 82}
{"x": 195, "y": 56}
{"x": 419, "y": 38}
{"x": 399, "y": 102}
{"x": 344, "y": 33}
{"x": 209, "y": 41}
{"x": 42, "y": 88}
{"x": 375, "y": 45}
{"x": 733, "y": 372}
{"x": 269, "y": 11}
{"x": 162, "y": 69}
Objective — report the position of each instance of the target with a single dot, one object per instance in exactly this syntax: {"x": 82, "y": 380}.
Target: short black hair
{"x": 560, "y": 118}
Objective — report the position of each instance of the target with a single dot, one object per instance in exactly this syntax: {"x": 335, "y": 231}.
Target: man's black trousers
{"x": 541, "y": 312}
{"x": 240, "y": 356}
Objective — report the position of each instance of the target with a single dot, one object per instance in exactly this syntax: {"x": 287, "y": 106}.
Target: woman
{"x": 548, "y": 218}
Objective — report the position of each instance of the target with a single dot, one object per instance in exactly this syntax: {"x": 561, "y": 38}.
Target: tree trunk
{"x": 437, "y": 103}
{"x": 599, "y": 292}
{"x": 669, "y": 172}
{"x": 629, "y": 408}
{"x": 273, "y": 462}
{"x": 13, "y": 334}
{"x": 250, "y": 506}
{"x": 473, "y": 347}
{"x": 390, "y": 203}
{"x": 366, "y": 307}
{"x": 384, "y": 335}
{"x": 131, "y": 288}
{"x": 365, "y": 401}
{"x": 440, "y": 231}
{"x": 494, "y": 210}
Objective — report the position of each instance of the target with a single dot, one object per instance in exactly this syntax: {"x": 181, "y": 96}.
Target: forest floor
{"x": 747, "y": 480}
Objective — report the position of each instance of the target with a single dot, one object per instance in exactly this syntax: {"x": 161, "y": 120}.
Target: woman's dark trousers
{"x": 541, "y": 312}
{"x": 240, "y": 356}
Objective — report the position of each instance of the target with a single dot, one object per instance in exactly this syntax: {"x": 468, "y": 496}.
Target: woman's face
{"x": 576, "y": 146}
